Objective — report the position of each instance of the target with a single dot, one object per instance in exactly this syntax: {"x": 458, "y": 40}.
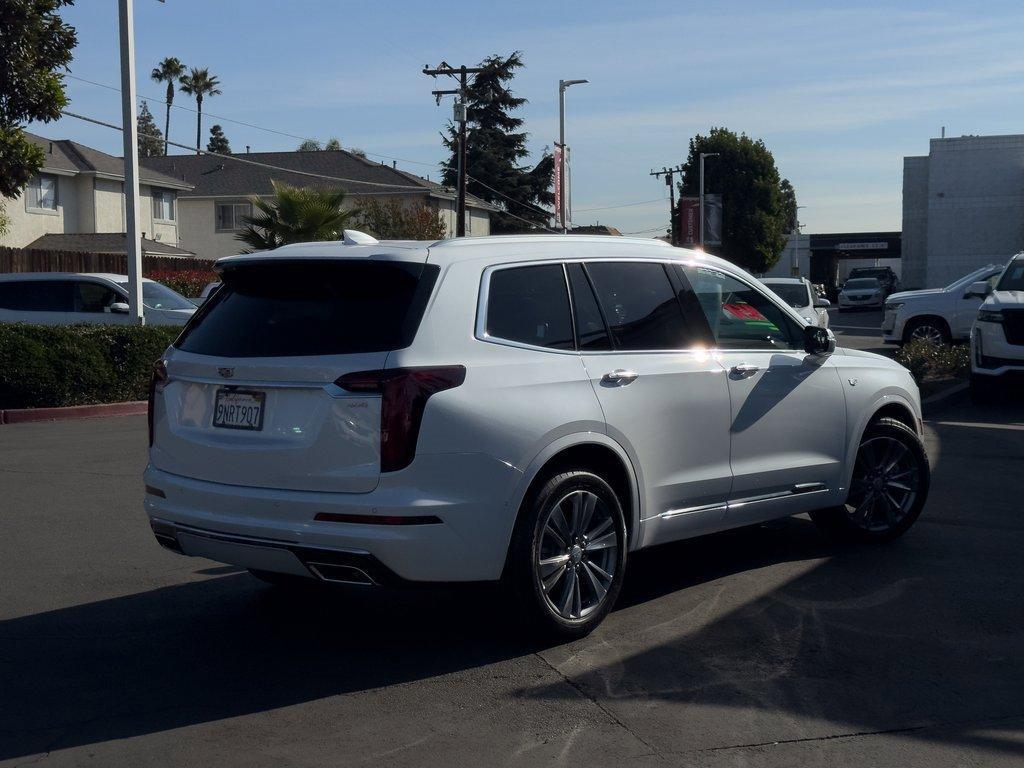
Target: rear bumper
{"x": 275, "y": 530}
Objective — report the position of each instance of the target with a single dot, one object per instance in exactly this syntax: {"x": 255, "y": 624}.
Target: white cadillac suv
{"x": 997, "y": 340}
{"x": 528, "y": 409}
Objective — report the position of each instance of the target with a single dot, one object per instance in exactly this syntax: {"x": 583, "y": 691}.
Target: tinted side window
{"x": 36, "y": 295}
{"x": 640, "y": 306}
{"x": 93, "y": 297}
{"x": 741, "y": 317}
{"x": 530, "y": 305}
{"x": 590, "y": 328}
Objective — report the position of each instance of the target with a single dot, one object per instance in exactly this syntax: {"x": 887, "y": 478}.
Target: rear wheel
{"x": 888, "y": 489}
{"x": 929, "y": 329}
{"x": 568, "y": 554}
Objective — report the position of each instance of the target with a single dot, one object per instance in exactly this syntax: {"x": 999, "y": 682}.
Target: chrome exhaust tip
{"x": 341, "y": 574}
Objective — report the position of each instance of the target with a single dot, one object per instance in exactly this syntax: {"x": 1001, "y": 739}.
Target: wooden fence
{"x": 31, "y": 260}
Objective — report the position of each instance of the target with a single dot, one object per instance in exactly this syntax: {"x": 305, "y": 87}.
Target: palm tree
{"x": 169, "y": 71}
{"x": 295, "y": 215}
{"x": 199, "y": 83}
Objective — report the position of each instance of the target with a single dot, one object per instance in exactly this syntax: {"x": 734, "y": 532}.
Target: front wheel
{"x": 888, "y": 489}
{"x": 568, "y": 554}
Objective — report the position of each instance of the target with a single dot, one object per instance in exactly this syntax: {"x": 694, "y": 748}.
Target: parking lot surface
{"x": 859, "y": 329}
{"x": 762, "y": 646}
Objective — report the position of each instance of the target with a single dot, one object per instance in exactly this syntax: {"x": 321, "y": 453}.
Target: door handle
{"x": 743, "y": 370}
{"x": 620, "y": 377}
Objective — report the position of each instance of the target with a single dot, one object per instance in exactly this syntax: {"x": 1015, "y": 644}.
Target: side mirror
{"x": 980, "y": 290}
{"x": 119, "y": 307}
{"x": 822, "y": 304}
{"x": 818, "y": 341}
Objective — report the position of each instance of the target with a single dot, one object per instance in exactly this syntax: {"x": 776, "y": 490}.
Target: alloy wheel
{"x": 576, "y": 554}
{"x": 929, "y": 333}
{"x": 886, "y": 478}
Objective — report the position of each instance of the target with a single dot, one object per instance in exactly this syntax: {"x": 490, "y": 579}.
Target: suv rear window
{"x": 285, "y": 309}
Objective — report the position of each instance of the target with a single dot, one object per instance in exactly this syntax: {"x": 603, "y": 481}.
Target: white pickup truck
{"x": 941, "y": 315}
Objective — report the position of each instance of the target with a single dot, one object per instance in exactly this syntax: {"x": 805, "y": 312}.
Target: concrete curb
{"x": 23, "y": 415}
{"x": 940, "y": 400}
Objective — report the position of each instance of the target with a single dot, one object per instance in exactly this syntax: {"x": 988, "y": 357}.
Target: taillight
{"x": 404, "y": 393}
{"x": 156, "y": 384}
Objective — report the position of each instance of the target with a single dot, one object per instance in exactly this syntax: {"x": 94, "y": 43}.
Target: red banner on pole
{"x": 689, "y": 221}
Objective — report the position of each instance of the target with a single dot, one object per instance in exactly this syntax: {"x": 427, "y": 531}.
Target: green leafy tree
{"x": 218, "y": 141}
{"x": 151, "y": 141}
{"x": 757, "y": 213}
{"x": 199, "y": 83}
{"x": 496, "y": 149}
{"x": 789, "y": 204}
{"x": 5, "y": 220}
{"x": 309, "y": 145}
{"x": 169, "y": 71}
{"x": 295, "y": 215}
{"x": 333, "y": 145}
{"x": 389, "y": 218}
{"x": 35, "y": 45}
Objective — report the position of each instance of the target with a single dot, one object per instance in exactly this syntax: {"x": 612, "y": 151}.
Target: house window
{"x": 230, "y": 216}
{"x": 41, "y": 193}
{"x": 163, "y": 204}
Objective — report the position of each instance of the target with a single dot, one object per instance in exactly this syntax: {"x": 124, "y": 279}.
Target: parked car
{"x": 940, "y": 315}
{"x": 997, "y": 340}
{"x": 886, "y": 276}
{"x": 529, "y": 409}
{"x": 66, "y": 298}
{"x": 800, "y": 295}
{"x": 861, "y": 293}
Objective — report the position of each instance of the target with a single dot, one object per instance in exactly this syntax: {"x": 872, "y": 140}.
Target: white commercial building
{"x": 963, "y": 207}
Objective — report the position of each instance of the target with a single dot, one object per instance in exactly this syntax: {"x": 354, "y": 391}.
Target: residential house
{"x": 79, "y": 191}
{"x": 211, "y": 211}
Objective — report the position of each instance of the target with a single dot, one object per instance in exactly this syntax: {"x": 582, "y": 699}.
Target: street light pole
{"x": 562, "y": 85}
{"x": 129, "y": 133}
{"x": 701, "y": 194}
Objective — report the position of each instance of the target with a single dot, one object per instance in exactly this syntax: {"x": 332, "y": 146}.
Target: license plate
{"x": 238, "y": 409}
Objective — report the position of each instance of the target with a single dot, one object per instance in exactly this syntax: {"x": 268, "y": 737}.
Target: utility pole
{"x": 669, "y": 173}
{"x": 460, "y": 113}
{"x": 562, "y": 86}
{"x": 129, "y": 133}
{"x": 701, "y": 206}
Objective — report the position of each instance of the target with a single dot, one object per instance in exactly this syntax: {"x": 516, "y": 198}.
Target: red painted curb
{"x": 21, "y": 415}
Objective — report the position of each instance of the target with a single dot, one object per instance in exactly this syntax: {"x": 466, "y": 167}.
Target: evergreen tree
{"x": 218, "y": 141}
{"x": 496, "y": 149}
{"x": 151, "y": 141}
{"x": 758, "y": 208}
{"x": 333, "y": 145}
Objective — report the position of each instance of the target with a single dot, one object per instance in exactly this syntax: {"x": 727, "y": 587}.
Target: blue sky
{"x": 840, "y": 92}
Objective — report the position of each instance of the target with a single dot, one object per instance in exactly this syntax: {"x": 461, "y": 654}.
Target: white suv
{"x": 939, "y": 315}
{"x": 527, "y": 409}
{"x": 801, "y": 296}
{"x": 997, "y": 341}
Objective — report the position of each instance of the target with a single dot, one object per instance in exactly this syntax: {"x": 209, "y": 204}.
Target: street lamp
{"x": 794, "y": 268}
{"x": 562, "y": 85}
{"x": 701, "y": 193}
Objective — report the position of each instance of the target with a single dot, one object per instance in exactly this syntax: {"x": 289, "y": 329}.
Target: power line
{"x": 622, "y": 205}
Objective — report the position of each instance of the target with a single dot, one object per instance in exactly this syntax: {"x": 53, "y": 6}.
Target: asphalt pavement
{"x": 859, "y": 329}
{"x": 762, "y": 646}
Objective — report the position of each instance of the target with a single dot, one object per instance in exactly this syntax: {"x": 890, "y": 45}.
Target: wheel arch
{"x": 894, "y": 405}
{"x": 594, "y": 451}
{"x": 935, "y": 317}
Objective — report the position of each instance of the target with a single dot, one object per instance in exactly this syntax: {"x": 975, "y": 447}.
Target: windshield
{"x": 866, "y": 272}
{"x": 973, "y": 277}
{"x": 1013, "y": 277}
{"x": 794, "y": 294}
{"x": 861, "y": 284}
{"x": 159, "y": 296}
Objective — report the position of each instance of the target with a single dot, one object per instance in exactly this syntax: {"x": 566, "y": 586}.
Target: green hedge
{"x": 43, "y": 366}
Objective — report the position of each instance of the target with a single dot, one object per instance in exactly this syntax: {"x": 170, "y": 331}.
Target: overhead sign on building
{"x": 877, "y": 246}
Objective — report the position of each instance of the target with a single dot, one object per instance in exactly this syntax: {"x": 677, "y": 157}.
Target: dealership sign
{"x": 876, "y": 246}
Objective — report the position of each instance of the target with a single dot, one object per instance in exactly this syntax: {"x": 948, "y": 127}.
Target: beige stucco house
{"x": 210, "y": 210}
{"x": 79, "y": 191}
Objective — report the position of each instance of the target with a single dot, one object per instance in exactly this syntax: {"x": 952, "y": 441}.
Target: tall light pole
{"x": 129, "y": 132}
{"x": 794, "y": 268}
{"x": 701, "y": 193}
{"x": 562, "y": 85}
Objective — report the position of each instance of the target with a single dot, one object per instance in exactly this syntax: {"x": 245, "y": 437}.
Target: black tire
{"x": 921, "y": 326}
{"x": 527, "y": 549}
{"x": 985, "y": 389}
{"x": 286, "y": 580}
{"x": 847, "y": 522}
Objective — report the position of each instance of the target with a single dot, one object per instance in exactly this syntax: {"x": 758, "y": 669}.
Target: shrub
{"x": 43, "y": 366}
{"x": 188, "y": 282}
{"x": 926, "y": 360}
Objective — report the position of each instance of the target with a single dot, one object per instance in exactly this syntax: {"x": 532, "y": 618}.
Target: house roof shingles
{"x": 103, "y": 242}
{"x": 71, "y": 157}
{"x": 218, "y": 176}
